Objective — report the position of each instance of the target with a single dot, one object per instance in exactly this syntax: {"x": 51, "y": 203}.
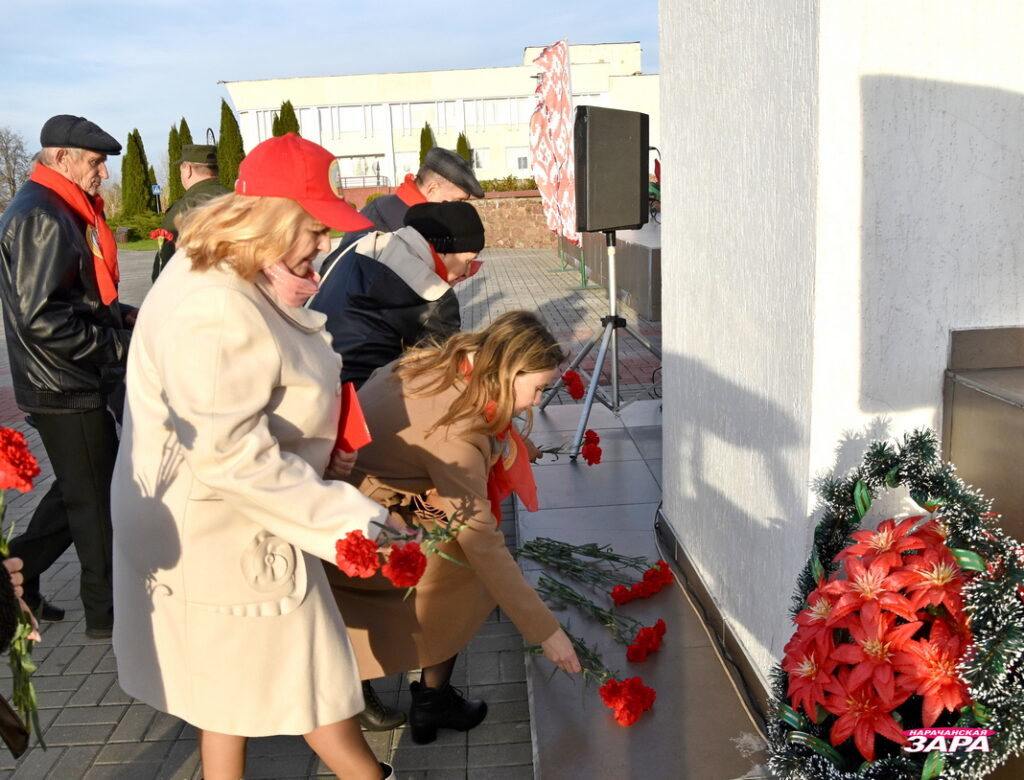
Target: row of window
{"x": 516, "y": 158}
{"x": 334, "y": 122}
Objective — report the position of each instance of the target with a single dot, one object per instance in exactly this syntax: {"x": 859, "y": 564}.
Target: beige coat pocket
{"x": 234, "y": 566}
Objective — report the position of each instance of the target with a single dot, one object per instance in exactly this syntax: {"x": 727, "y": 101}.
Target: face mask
{"x": 293, "y": 290}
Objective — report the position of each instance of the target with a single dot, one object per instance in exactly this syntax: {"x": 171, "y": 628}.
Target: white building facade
{"x": 372, "y": 122}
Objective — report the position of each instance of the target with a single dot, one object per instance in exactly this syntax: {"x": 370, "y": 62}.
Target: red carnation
{"x": 356, "y": 555}
{"x": 573, "y": 385}
{"x": 590, "y": 450}
{"x": 629, "y": 699}
{"x": 405, "y": 565}
{"x": 647, "y": 641}
{"x": 621, "y": 595}
{"x": 17, "y": 464}
{"x": 161, "y": 235}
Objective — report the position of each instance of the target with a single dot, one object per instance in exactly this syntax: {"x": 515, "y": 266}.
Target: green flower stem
{"x": 23, "y": 692}
{"x": 556, "y": 593}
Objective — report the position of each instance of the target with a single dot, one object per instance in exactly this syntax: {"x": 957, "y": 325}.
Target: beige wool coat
{"x": 223, "y": 615}
{"x": 391, "y": 633}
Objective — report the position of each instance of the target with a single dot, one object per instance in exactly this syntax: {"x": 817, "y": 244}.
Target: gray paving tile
{"x": 501, "y": 754}
{"x": 575, "y": 485}
{"x": 75, "y": 761}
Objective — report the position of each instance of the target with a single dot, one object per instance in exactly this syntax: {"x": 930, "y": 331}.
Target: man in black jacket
{"x": 67, "y": 341}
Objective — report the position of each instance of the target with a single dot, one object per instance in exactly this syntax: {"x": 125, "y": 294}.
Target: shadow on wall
{"x": 943, "y": 210}
{"x": 710, "y": 508}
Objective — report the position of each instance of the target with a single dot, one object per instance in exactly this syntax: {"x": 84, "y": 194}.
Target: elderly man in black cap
{"x": 67, "y": 340}
{"x": 444, "y": 176}
{"x": 199, "y": 172}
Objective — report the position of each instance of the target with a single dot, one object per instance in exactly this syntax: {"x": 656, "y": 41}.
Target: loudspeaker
{"x": 611, "y": 148}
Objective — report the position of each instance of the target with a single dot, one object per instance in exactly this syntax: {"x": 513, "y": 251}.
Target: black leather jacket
{"x": 67, "y": 349}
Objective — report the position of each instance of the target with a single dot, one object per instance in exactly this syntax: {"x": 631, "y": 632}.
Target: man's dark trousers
{"x": 82, "y": 447}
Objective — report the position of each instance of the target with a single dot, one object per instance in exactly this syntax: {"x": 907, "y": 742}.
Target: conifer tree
{"x": 229, "y": 148}
{"x": 288, "y": 121}
{"x": 275, "y": 126}
{"x": 426, "y": 141}
{"x": 134, "y": 179}
{"x": 184, "y": 133}
{"x": 463, "y": 149}
{"x": 175, "y": 189}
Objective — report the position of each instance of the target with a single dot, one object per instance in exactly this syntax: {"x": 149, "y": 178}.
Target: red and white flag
{"x": 551, "y": 141}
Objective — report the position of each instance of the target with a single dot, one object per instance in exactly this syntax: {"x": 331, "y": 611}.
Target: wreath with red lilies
{"x": 916, "y": 624}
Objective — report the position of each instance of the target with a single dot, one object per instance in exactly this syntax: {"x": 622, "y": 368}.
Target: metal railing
{"x": 345, "y": 182}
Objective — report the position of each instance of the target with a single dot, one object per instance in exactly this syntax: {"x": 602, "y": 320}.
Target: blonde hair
{"x": 515, "y": 343}
{"x": 244, "y": 232}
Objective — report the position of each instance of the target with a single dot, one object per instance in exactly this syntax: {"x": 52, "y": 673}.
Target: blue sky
{"x": 147, "y": 63}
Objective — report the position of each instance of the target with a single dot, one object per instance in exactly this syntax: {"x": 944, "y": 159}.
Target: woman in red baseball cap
{"x": 220, "y": 504}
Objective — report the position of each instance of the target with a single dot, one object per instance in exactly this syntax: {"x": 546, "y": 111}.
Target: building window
{"x": 481, "y": 158}
{"x": 517, "y": 158}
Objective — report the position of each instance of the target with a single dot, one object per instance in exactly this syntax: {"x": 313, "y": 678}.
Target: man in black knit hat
{"x": 394, "y": 290}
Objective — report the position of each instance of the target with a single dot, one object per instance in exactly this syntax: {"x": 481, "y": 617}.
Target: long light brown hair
{"x": 515, "y": 343}
{"x": 244, "y": 232}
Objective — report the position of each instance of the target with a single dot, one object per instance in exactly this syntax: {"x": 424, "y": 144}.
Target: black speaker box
{"x": 611, "y": 148}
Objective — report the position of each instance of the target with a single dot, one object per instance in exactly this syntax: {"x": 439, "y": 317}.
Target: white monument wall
{"x": 843, "y": 186}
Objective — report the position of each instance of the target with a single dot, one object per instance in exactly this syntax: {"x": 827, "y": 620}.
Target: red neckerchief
{"x": 511, "y": 473}
{"x": 439, "y": 267}
{"x": 408, "y": 192}
{"x": 98, "y": 235}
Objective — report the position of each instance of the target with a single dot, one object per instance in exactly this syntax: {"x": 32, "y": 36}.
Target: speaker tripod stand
{"x": 608, "y": 338}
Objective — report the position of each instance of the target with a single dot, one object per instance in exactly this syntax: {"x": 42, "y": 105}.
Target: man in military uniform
{"x": 199, "y": 172}
{"x": 444, "y": 176}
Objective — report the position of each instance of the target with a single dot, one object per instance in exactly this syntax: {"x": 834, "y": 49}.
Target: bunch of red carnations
{"x": 654, "y": 579}
{"x": 18, "y": 469}
{"x": 403, "y": 563}
{"x": 628, "y": 698}
{"x": 886, "y": 630}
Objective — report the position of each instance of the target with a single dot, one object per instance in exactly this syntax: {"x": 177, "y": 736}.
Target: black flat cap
{"x": 454, "y": 168}
{"x": 453, "y": 226}
{"x": 203, "y": 154}
{"x": 77, "y": 132}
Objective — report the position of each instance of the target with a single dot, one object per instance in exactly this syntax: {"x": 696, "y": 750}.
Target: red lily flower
{"x": 939, "y": 580}
{"x": 887, "y": 542}
{"x": 931, "y": 533}
{"x": 862, "y": 714}
{"x": 872, "y": 583}
{"x": 810, "y": 674}
{"x": 876, "y": 642}
{"x": 928, "y": 667}
{"x": 815, "y": 617}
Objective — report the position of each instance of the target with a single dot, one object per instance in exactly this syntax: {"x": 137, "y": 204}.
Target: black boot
{"x": 446, "y": 708}
{"x": 378, "y": 716}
